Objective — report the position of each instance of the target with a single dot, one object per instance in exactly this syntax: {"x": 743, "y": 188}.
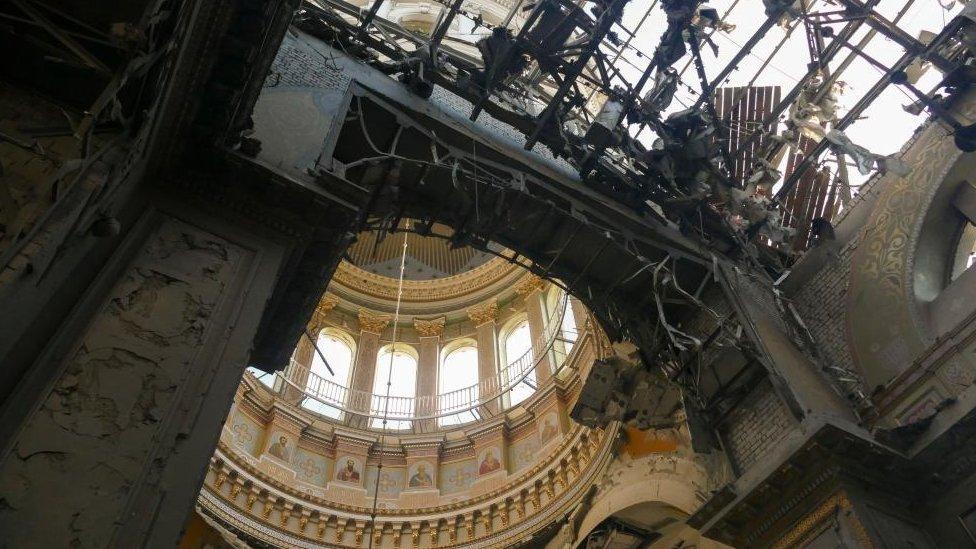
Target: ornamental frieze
{"x": 452, "y": 287}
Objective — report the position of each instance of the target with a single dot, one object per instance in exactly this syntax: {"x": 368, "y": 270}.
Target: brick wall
{"x": 822, "y": 299}
{"x": 756, "y": 425}
{"x": 823, "y": 305}
{"x": 305, "y": 63}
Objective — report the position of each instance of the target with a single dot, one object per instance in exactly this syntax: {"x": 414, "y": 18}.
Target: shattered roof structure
{"x": 756, "y": 111}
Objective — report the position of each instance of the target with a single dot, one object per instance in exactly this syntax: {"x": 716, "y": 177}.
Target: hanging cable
{"x": 389, "y": 383}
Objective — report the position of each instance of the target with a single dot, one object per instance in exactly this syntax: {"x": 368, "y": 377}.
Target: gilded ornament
{"x": 302, "y": 523}
{"x": 219, "y": 481}
{"x": 429, "y": 328}
{"x": 485, "y": 312}
{"x": 373, "y": 322}
{"x": 835, "y": 502}
{"x": 234, "y": 490}
{"x": 251, "y": 499}
{"x": 529, "y": 285}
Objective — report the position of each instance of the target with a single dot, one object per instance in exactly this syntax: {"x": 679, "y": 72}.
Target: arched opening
{"x": 560, "y": 309}
{"x": 519, "y": 363}
{"x": 396, "y": 372}
{"x": 336, "y": 349}
{"x": 457, "y": 383}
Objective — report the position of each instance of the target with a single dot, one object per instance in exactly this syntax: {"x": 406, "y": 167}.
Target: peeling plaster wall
{"x": 123, "y": 434}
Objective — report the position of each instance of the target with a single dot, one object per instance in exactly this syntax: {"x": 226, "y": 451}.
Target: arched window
{"x": 965, "y": 256}
{"x": 560, "y": 309}
{"x": 457, "y": 384}
{"x": 337, "y": 351}
{"x": 403, "y": 387}
{"x": 519, "y": 359}
{"x": 568, "y": 330}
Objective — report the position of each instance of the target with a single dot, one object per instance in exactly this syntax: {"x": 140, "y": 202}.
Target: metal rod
{"x": 860, "y": 107}
{"x": 607, "y": 19}
{"x": 62, "y": 37}
{"x": 319, "y": 351}
{"x": 435, "y": 39}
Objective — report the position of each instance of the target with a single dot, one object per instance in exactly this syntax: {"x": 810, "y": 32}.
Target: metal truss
{"x": 558, "y": 54}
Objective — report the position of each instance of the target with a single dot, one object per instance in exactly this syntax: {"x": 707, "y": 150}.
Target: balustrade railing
{"x": 425, "y": 407}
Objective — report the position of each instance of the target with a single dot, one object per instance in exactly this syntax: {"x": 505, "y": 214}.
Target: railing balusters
{"x": 451, "y": 403}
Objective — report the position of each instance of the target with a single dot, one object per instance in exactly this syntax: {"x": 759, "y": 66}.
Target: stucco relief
{"x": 247, "y": 433}
{"x": 390, "y": 484}
{"x": 881, "y": 268}
{"x": 311, "y": 467}
{"x": 120, "y": 382}
{"x": 457, "y": 476}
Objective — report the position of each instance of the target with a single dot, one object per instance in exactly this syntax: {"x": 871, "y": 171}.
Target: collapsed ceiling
{"x": 725, "y": 164}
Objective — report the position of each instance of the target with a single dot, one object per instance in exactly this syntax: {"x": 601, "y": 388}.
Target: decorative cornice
{"x": 373, "y": 322}
{"x": 589, "y": 463}
{"x": 529, "y": 284}
{"x": 414, "y": 291}
{"x": 829, "y": 508}
{"x": 485, "y": 312}
{"x": 429, "y": 328}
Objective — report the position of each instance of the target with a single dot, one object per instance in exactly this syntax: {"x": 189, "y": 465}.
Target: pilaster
{"x": 484, "y": 317}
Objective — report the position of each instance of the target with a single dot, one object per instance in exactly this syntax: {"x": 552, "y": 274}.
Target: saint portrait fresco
{"x": 489, "y": 462}
{"x": 349, "y": 471}
{"x": 420, "y": 477}
{"x": 279, "y": 449}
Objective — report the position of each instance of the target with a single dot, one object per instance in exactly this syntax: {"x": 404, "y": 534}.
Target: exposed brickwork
{"x": 756, "y": 425}
{"x": 823, "y": 305}
{"x": 299, "y": 64}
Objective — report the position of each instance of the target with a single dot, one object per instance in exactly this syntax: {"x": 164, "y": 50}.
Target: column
{"x": 305, "y": 352}
{"x": 429, "y": 350}
{"x": 483, "y": 316}
{"x": 535, "y": 309}
{"x": 371, "y": 325}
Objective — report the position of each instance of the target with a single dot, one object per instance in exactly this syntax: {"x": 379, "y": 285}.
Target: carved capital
{"x": 326, "y": 304}
{"x": 372, "y": 322}
{"x": 529, "y": 284}
{"x": 429, "y": 328}
{"x": 485, "y": 312}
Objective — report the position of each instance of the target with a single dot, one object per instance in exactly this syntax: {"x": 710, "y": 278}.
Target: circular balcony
{"x": 285, "y": 476}
{"x": 478, "y": 401}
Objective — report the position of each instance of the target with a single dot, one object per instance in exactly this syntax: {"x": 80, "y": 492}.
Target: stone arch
{"x": 390, "y": 156}
{"x": 901, "y": 263}
{"x": 667, "y": 495}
